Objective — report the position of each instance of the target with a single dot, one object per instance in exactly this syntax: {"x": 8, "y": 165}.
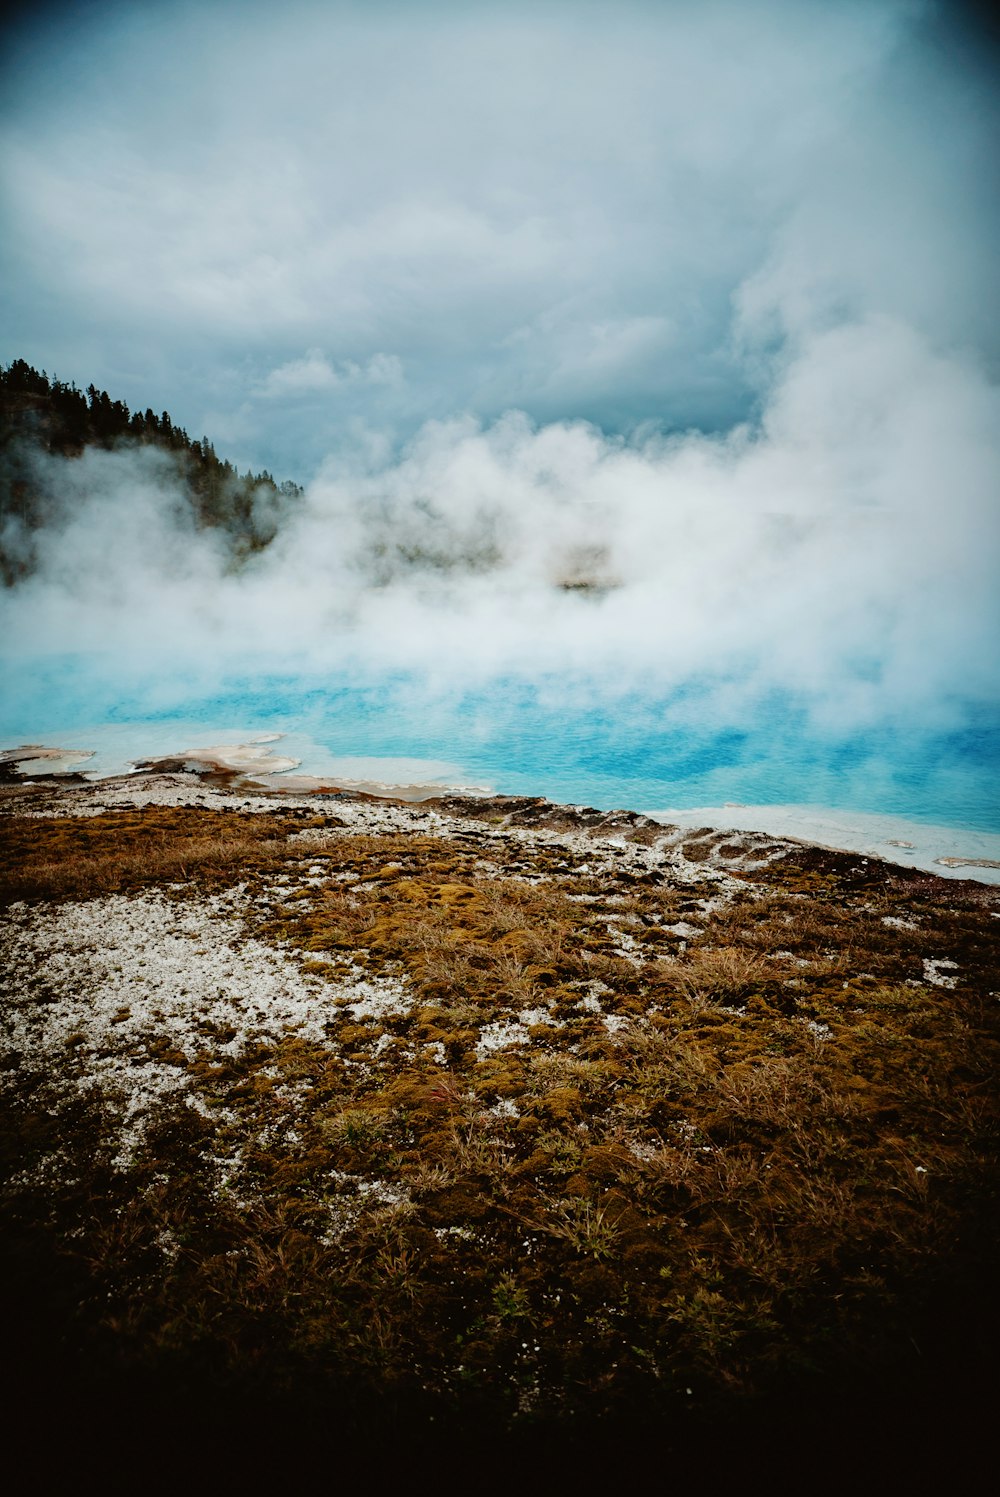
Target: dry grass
{"x": 85, "y": 857}
{"x": 771, "y": 1157}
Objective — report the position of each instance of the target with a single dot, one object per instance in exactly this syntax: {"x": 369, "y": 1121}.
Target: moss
{"x": 754, "y": 1156}
{"x": 79, "y": 857}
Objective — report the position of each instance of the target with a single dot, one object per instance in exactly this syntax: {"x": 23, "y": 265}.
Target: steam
{"x": 844, "y": 549}
{"x": 643, "y": 347}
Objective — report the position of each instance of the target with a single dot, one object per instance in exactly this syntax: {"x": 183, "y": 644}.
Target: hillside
{"x": 44, "y": 422}
{"x": 493, "y": 1118}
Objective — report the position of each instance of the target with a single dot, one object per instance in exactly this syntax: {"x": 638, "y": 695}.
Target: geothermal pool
{"x": 911, "y": 793}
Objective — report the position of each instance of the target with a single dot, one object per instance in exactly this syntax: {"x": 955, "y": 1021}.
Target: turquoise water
{"x": 559, "y": 737}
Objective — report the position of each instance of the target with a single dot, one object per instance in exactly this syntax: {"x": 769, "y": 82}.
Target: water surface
{"x": 559, "y": 737}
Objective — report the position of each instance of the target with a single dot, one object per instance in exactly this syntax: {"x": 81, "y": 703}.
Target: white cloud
{"x": 311, "y": 373}
{"x": 360, "y": 237}
{"x": 845, "y": 550}
{"x": 315, "y": 373}
{"x": 549, "y": 208}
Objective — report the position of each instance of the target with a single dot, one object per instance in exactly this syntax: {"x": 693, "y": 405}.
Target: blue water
{"x": 560, "y": 738}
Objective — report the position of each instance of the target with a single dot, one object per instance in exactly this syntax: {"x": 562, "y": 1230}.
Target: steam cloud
{"x": 845, "y": 549}
{"x": 647, "y": 345}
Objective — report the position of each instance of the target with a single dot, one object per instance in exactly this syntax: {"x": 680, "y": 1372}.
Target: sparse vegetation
{"x": 531, "y": 1154}
{"x": 86, "y": 857}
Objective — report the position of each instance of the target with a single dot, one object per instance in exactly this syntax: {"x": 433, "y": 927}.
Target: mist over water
{"x": 647, "y": 389}
{"x": 802, "y": 609}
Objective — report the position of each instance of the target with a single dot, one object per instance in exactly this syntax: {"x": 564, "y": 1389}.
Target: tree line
{"x": 48, "y": 415}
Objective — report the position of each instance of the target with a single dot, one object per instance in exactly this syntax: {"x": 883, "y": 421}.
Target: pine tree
{"x": 58, "y": 418}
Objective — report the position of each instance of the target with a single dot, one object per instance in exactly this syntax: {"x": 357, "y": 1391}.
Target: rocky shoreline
{"x": 255, "y": 768}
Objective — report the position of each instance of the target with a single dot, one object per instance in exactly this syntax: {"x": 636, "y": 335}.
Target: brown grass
{"x": 778, "y": 1163}
{"x": 87, "y": 856}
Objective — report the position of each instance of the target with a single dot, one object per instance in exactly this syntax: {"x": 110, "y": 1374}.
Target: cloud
{"x": 548, "y": 208}
{"x": 315, "y": 374}
{"x": 843, "y": 549}
{"x": 694, "y": 304}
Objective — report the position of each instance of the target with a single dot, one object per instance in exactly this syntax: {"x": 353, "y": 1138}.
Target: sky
{"x": 695, "y": 302}
{"x": 314, "y": 225}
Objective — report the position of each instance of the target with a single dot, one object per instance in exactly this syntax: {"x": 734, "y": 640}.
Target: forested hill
{"x": 39, "y": 416}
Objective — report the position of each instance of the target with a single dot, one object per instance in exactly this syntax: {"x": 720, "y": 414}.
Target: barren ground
{"x": 491, "y": 1120}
